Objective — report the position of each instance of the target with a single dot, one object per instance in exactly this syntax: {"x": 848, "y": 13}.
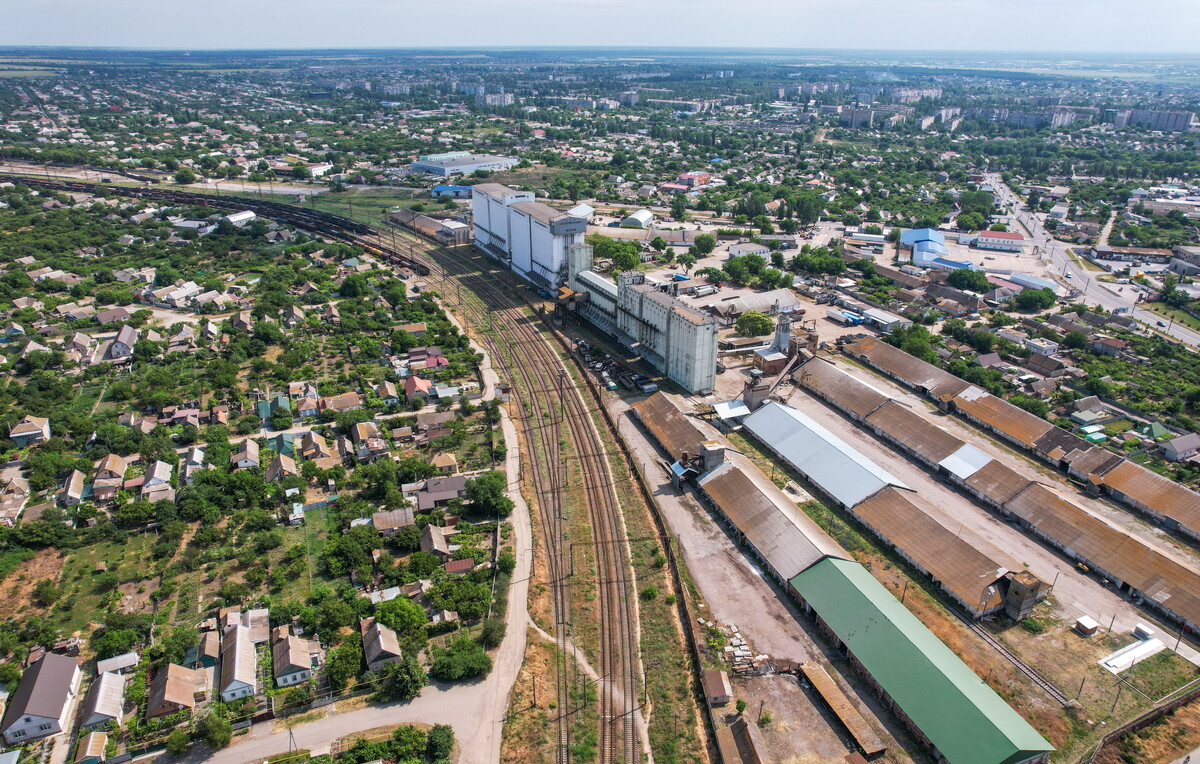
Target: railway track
{"x": 551, "y": 410}
{"x": 1023, "y": 667}
{"x": 555, "y": 401}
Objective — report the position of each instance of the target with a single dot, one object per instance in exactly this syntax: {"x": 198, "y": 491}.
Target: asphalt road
{"x": 1070, "y": 273}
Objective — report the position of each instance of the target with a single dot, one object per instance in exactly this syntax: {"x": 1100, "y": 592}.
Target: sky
{"x": 986, "y": 25}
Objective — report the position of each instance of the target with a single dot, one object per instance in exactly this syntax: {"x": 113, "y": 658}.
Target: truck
{"x": 843, "y": 317}
{"x": 706, "y": 290}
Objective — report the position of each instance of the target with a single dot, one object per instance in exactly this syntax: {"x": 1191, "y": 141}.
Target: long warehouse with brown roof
{"x": 1172, "y": 505}
{"x": 1173, "y": 587}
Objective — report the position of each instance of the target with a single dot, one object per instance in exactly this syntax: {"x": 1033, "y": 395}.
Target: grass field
{"x": 1173, "y": 314}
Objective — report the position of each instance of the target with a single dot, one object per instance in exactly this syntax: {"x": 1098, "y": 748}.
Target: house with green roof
{"x": 949, "y": 708}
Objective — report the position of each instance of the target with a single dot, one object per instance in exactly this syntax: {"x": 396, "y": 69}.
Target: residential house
{"x": 307, "y": 406}
{"x": 242, "y": 320}
{"x": 380, "y": 645}
{"x": 280, "y": 467}
{"x": 1182, "y": 447}
{"x": 156, "y": 483}
{"x": 343, "y": 402}
{"x": 1110, "y": 346}
{"x": 284, "y": 443}
{"x": 387, "y": 392}
{"x": 434, "y": 541}
{"x": 239, "y": 677}
{"x": 302, "y": 390}
{"x": 390, "y": 521}
{"x": 314, "y": 446}
{"x": 246, "y": 456}
{"x": 418, "y": 388}
{"x": 445, "y": 463}
{"x": 292, "y": 317}
{"x": 172, "y": 689}
{"x": 112, "y": 316}
{"x": 193, "y": 464}
{"x": 72, "y": 489}
{"x": 43, "y": 699}
{"x": 295, "y": 659}
{"x": 105, "y": 701}
{"x": 30, "y": 431}
{"x": 122, "y": 346}
{"x": 436, "y": 492}
{"x": 205, "y": 653}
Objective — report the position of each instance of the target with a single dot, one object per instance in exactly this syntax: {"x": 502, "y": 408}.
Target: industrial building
{"x": 920, "y": 679}
{"x": 678, "y": 340}
{"x": 1147, "y": 574}
{"x": 445, "y": 166}
{"x": 1002, "y": 241}
{"x": 945, "y": 705}
{"x": 530, "y": 237}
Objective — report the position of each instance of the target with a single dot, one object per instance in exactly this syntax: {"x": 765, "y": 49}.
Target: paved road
{"x": 1070, "y": 273}
{"x": 476, "y": 711}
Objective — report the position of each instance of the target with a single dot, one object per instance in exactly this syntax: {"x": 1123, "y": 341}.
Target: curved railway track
{"x": 551, "y": 410}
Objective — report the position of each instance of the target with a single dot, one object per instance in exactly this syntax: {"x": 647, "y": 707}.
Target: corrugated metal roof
{"x": 822, "y": 457}
{"x": 965, "y": 564}
{"x": 914, "y": 432}
{"x": 675, "y": 432}
{"x": 105, "y": 699}
{"x": 1160, "y": 494}
{"x": 965, "y": 462}
{"x": 960, "y": 715}
{"x": 838, "y": 387}
{"x": 785, "y": 537}
{"x": 1161, "y": 578}
{"x": 997, "y": 482}
{"x": 997, "y": 413}
{"x": 906, "y": 368}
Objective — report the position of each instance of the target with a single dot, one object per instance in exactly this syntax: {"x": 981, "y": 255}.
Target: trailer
{"x": 706, "y": 290}
{"x": 843, "y": 317}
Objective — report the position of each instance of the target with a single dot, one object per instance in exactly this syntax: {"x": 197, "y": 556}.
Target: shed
{"x": 717, "y": 690}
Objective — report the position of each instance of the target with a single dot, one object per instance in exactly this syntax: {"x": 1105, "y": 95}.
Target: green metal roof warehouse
{"x": 958, "y": 714}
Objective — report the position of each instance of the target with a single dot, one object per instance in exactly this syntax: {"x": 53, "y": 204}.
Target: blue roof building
{"x": 452, "y": 192}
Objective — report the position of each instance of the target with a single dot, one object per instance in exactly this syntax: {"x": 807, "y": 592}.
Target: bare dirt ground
{"x": 529, "y": 728}
{"x": 18, "y": 586}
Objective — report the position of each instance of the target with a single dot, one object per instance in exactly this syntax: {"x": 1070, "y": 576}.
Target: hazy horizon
{"x": 1065, "y": 27}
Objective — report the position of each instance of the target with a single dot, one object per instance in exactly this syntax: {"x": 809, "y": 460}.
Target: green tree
{"x": 705, "y": 243}
{"x": 625, "y": 260}
{"x": 214, "y": 730}
{"x": 679, "y": 207}
{"x": 440, "y": 742}
{"x": 658, "y": 245}
{"x": 686, "y": 261}
{"x": 178, "y": 742}
{"x": 185, "y": 176}
{"x": 464, "y": 659}
{"x": 1076, "y": 340}
{"x": 343, "y": 663}
{"x": 752, "y": 323}
{"x": 403, "y": 616}
{"x": 1034, "y": 299}
{"x": 488, "y": 494}
{"x": 965, "y": 278}
{"x": 401, "y": 681}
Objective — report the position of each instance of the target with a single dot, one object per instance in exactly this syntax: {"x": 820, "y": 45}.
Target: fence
{"x": 1143, "y": 721}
